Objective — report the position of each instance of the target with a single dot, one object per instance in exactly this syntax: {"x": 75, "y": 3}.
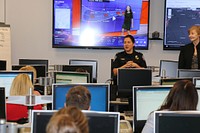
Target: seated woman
{"x": 183, "y": 96}
{"x": 20, "y": 87}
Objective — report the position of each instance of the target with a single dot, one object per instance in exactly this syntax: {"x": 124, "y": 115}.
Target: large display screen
{"x": 98, "y": 23}
{"x": 180, "y": 15}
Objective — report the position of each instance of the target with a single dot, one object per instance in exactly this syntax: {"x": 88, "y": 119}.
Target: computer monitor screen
{"x": 40, "y": 119}
{"x": 93, "y": 63}
{"x": 179, "y": 17}
{"x": 172, "y": 81}
{"x": 103, "y": 122}
{"x": 145, "y": 100}
{"x": 99, "y": 122}
{"x": 2, "y": 65}
{"x": 198, "y": 105}
{"x": 100, "y": 95}
{"x": 2, "y": 103}
{"x": 71, "y": 77}
{"x": 177, "y": 122}
{"x": 188, "y": 73}
{"x": 6, "y": 79}
{"x": 168, "y": 68}
{"x": 196, "y": 82}
{"x": 127, "y": 78}
{"x": 98, "y": 23}
{"x": 34, "y": 62}
{"x": 79, "y": 68}
{"x": 40, "y": 69}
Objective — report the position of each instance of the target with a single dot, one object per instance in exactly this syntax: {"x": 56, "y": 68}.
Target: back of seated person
{"x": 68, "y": 120}
{"x": 20, "y": 87}
{"x": 30, "y": 68}
{"x": 182, "y": 96}
{"x": 78, "y": 96}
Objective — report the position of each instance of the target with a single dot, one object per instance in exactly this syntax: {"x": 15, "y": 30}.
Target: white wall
{"x": 31, "y": 22}
{"x": 2, "y": 10}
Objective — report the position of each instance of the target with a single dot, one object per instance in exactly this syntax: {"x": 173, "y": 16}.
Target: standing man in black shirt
{"x": 129, "y": 58}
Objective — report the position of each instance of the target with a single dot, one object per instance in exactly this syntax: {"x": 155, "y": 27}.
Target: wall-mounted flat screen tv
{"x": 98, "y": 23}
{"x": 179, "y": 17}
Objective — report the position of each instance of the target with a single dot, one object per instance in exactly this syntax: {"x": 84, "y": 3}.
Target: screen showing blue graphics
{"x": 7, "y": 77}
{"x": 179, "y": 17}
{"x": 98, "y": 24}
{"x": 99, "y": 95}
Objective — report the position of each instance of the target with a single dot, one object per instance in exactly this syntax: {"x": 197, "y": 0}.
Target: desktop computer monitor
{"x": 171, "y": 81}
{"x": 145, "y": 100}
{"x": 177, "y": 121}
{"x": 100, "y": 95}
{"x": 79, "y": 68}
{"x": 2, "y": 103}
{"x": 71, "y": 77}
{"x": 127, "y": 78}
{"x": 93, "y": 63}
{"x": 196, "y": 82}
{"x": 2, "y": 64}
{"x": 169, "y": 67}
{"x": 103, "y": 122}
{"x": 6, "y": 79}
{"x": 40, "y": 69}
{"x": 188, "y": 73}
{"x": 40, "y": 119}
{"x": 99, "y": 122}
{"x": 35, "y": 62}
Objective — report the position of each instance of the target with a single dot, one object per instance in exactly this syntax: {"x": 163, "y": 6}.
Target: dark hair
{"x": 76, "y": 122}
{"x": 131, "y": 37}
{"x": 182, "y": 96}
{"x": 78, "y": 96}
{"x": 127, "y": 11}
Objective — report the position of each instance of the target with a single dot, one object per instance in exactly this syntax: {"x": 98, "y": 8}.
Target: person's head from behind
{"x": 194, "y": 33}
{"x": 76, "y": 116}
{"x": 62, "y": 123}
{"x": 30, "y": 68}
{"x": 182, "y": 96}
{"x": 21, "y": 85}
{"x": 79, "y": 96}
{"x": 129, "y": 43}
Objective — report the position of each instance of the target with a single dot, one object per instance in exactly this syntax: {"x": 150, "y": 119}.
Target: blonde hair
{"x": 21, "y": 85}
{"x": 196, "y": 28}
{"x": 30, "y": 68}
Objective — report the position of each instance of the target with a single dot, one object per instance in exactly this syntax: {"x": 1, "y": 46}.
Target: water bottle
{"x": 2, "y": 126}
{"x": 12, "y": 128}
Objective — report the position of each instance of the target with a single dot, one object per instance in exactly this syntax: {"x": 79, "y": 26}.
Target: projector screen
{"x": 180, "y": 15}
{"x": 98, "y": 23}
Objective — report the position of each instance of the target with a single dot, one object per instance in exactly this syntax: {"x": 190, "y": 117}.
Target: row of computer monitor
{"x": 126, "y": 78}
{"x": 108, "y": 122}
{"x": 169, "y": 69}
{"x": 77, "y": 62}
{"x": 145, "y": 99}
{"x": 41, "y": 66}
{"x": 6, "y": 77}
{"x": 98, "y": 121}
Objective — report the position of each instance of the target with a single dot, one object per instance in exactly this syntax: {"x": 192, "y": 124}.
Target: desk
{"x": 117, "y": 103}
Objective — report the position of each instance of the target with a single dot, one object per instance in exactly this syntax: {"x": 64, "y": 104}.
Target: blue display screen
{"x": 99, "y": 96}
